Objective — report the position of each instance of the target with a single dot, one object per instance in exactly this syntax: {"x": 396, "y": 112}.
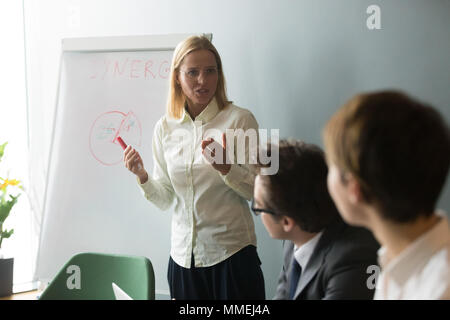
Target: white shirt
{"x": 303, "y": 253}
{"x": 211, "y": 217}
{"x": 421, "y": 271}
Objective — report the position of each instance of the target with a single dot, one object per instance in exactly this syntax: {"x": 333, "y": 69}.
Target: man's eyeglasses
{"x": 195, "y": 73}
{"x": 258, "y": 211}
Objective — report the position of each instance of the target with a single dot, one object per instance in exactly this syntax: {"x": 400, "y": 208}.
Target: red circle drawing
{"x": 103, "y": 135}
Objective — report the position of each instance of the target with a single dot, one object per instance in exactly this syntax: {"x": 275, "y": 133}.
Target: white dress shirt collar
{"x": 211, "y": 110}
{"x": 416, "y": 254}
{"x": 420, "y": 271}
{"x": 303, "y": 253}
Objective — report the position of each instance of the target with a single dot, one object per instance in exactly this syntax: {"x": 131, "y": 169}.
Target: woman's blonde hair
{"x": 176, "y": 99}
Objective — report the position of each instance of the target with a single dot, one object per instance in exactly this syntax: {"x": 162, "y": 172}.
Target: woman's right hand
{"x": 134, "y": 163}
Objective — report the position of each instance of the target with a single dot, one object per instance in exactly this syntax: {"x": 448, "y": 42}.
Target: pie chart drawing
{"x": 103, "y": 143}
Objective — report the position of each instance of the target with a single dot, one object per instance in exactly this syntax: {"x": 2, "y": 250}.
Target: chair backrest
{"x": 89, "y": 276}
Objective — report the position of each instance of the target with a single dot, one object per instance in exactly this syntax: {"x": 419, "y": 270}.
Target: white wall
{"x": 292, "y": 63}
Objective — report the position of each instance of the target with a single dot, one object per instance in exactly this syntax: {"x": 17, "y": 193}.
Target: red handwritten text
{"x": 130, "y": 68}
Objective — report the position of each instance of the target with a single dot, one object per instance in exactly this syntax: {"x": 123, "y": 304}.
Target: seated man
{"x": 389, "y": 156}
{"x": 324, "y": 258}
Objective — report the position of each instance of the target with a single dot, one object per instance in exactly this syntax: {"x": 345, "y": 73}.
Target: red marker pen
{"x": 122, "y": 143}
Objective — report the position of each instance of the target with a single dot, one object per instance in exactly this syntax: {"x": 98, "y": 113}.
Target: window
{"x": 13, "y": 129}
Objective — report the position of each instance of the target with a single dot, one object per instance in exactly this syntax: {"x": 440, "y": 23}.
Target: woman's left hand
{"x": 209, "y": 153}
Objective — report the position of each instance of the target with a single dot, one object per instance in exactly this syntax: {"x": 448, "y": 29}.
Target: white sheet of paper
{"x": 119, "y": 293}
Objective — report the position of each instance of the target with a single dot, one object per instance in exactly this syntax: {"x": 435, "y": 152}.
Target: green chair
{"x": 89, "y": 276}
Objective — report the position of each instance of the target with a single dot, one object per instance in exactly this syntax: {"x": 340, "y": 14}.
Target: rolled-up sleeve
{"x": 241, "y": 177}
{"x": 158, "y": 188}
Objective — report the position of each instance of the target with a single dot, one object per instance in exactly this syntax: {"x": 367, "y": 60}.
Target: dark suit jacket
{"x": 337, "y": 269}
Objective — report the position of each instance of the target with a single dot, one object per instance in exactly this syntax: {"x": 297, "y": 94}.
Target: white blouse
{"x": 419, "y": 272}
{"x": 211, "y": 218}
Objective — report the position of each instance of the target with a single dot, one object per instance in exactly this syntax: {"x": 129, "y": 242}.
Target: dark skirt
{"x": 237, "y": 278}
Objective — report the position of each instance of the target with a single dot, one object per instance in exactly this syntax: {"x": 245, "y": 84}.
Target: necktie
{"x": 295, "y": 273}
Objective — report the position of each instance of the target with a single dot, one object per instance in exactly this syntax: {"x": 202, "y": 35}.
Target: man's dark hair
{"x": 299, "y": 188}
{"x": 397, "y": 147}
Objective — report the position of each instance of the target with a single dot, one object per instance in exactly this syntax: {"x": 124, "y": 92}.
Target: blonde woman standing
{"x": 213, "y": 242}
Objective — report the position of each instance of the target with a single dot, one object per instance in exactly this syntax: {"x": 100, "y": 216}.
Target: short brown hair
{"x": 397, "y": 148}
{"x": 299, "y": 188}
{"x": 176, "y": 99}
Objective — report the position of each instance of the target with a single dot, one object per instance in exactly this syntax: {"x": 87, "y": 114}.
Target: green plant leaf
{"x": 5, "y": 208}
{"x": 2, "y": 149}
{"x": 6, "y": 234}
